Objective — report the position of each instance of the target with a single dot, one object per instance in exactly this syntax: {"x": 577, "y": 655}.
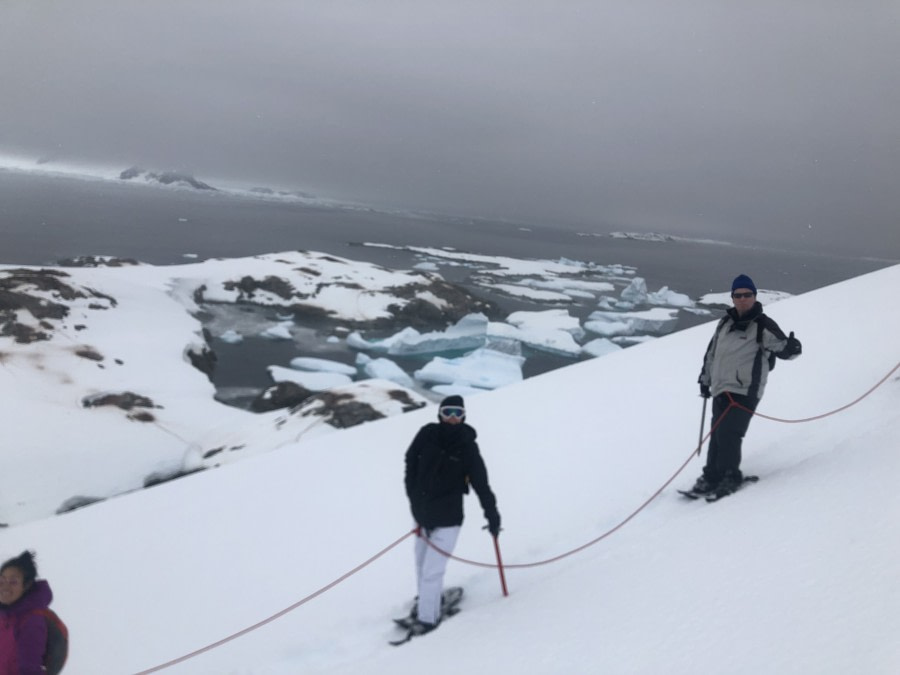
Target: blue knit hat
{"x": 743, "y": 281}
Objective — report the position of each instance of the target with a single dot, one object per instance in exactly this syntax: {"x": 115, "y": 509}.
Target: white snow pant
{"x": 430, "y": 567}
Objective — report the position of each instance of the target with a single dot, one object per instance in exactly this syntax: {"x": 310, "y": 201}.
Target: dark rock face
{"x": 203, "y": 359}
{"x": 280, "y": 395}
{"x": 165, "y": 178}
{"x": 76, "y": 503}
{"x": 164, "y": 477}
{"x": 247, "y": 286}
{"x": 96, "y": 261}
{"x": 125, "y": 400}
{"x": 23, "y": 289}
{"x": 406, "y": 400}
{"x": 344, "y": 410}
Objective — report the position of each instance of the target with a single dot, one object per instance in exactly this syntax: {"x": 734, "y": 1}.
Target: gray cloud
{"x": 772, "y": 121}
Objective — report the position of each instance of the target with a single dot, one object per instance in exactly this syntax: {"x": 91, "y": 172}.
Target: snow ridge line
{"x": 415, "y": 531}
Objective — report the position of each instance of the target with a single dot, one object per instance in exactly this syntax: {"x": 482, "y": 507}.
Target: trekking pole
{"x": 702, "y": 422}
{"x": 500, "y": 567}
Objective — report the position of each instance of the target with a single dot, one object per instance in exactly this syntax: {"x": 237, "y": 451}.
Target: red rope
{"x": 615, "y": 528}
{"x": 278, "y": 615}
{"x": 696, "y": 451}
{"x": 830, "y": 412}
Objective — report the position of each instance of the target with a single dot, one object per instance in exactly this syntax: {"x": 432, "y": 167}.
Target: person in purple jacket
{"x": 23, "y": 633}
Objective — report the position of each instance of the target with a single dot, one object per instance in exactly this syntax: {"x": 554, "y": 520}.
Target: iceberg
{"x": 600, "y": 347}
{"x": 636, "y": 292}
{"x": 383, "y": 369}
{"x": 322, "y": 365}
{"x": 556, "y": 319}
{"x": 308, "y": 380}
{"x": 484, "y": 368}
{"x": 469, "y": 332}
{"x": 669, "y": 298}
{"x": 232, "y": 337}
{"x": 657, "y": 320}
{"x": 280, "y": 331}
{"x": 609, "y": 327}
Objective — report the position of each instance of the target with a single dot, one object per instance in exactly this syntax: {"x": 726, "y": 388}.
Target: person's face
{"x": 12, "y": 585}
{"x": 452, "y": 414}
{"x": 743, "y": 299}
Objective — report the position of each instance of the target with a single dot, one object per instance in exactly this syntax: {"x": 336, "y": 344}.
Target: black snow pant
{"x": 724, "y": 454}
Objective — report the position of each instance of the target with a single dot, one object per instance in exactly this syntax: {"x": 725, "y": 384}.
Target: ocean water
{"x": 45, "y": 219}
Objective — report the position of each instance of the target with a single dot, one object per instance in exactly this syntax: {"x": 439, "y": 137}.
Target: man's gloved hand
{"x": 493, "y": 525}
{"x": 793, "y": 347}
{"x": 704, "y": 391}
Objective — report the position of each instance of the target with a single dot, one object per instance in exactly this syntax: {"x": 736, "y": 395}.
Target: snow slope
{"x": 797, "y": 574}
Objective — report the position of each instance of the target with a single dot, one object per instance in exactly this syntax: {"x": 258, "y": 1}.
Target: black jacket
{"x": 442, "y": 461}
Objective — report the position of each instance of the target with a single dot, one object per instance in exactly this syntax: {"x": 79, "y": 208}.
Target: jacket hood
{"x": 39, "y": 596}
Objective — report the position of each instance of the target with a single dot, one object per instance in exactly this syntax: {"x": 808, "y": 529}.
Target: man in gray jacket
{"x": 735, "y": 368}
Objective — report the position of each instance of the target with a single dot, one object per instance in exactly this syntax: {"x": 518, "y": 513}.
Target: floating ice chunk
{"x": 309, "y": 380}
{"x": 635, "y": 292}
{"x": 232, "y": 337}
{"x": 280, "y": 331}
{"x": 530, "y": 293}
{"x": 608, "y": 327}
{"x": 607, "y": 302}
{"x": 323, "y": 365}
{"x": 426, "y": 267}
{"x": 483, "y": 368}
{"x": 550, "y": 331}
{"x": 669, "y": 298}
{"x": 600, "y": 347}
{"x": 356, "y": 341}
{"x": 556, "y": 319}
{"x": 550, "y": 340}
{"x": 657, "y": 320}
{"x": 581, "y": 288}
{"x": 383, "y": 369}
{"x": 468, "y": 333}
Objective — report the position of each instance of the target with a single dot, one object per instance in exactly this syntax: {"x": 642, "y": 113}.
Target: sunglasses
{"x": 748, "y": 294}
{"x": 453, "y": 411}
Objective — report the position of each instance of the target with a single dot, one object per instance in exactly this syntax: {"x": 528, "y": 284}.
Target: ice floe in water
{"x": 322, "y": 365}
{"x": 231, "y": 337}
{"x": 469, "y": 332}
{"x": 655, "y": 321}
{"x": 600, "y": 347}
{"x": 280, "y": 331}
{"x": 483, "y": 368}
{"x": 383, "y": 369}
{"x": 314, "y": 381}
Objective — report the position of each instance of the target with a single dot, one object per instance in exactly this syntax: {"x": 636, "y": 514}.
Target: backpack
{"x": 57, "y": 642}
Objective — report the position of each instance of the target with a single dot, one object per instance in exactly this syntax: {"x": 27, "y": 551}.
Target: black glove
{"x": 704, "y": 391}
{"x": 493, "y": 525}
{"x": 793, "y": 347}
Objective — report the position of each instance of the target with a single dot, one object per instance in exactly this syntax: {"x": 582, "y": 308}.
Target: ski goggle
{"x": 453, "y": 411}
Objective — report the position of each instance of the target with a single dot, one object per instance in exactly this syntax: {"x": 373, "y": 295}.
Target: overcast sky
{"x": 771, "y": 119}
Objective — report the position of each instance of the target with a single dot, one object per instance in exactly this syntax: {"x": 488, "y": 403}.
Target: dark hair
{"x": 24, "y": 562}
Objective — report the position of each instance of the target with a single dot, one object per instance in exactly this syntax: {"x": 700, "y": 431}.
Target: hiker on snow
{"x": 441, "y": 463}
{"x": 736, "y": 366}
{"x": 23, "y": 631}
